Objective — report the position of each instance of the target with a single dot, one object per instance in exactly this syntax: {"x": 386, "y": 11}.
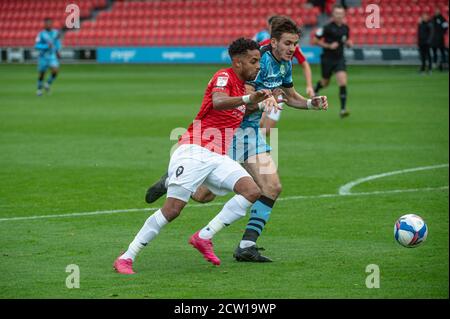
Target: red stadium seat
{"x": 199, "y": 22}
{"x": 22, "y": 20}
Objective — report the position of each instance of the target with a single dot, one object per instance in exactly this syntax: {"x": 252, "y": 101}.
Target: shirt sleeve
{"x": 298, "y": 54}
{"x": 287, "y": 80}
{"x": 222, "y": 83}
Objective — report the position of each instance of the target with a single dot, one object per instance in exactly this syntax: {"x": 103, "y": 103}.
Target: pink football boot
{"x": 205, "y": 247}
{"x": 124, "y": 266}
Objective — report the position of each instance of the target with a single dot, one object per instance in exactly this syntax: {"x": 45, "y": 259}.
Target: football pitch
{"x": 75, "y": 165}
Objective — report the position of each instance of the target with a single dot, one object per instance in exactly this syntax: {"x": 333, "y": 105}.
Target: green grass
{"x": 102, "y": 137}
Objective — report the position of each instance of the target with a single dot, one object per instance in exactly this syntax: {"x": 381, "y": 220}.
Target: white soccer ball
{"x": 410, "y": 230}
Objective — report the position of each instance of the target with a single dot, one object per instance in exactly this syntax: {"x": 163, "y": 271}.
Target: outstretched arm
{"x": 222, "y": 101}
{"x": 308, "y": 78}
{"x": 299, "y": 102}
{"x": 272, "y": 103}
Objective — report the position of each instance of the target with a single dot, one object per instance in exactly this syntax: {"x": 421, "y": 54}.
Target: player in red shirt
{"x": 213, "y": 128}
{"x": 200, "y": 157}
{"x": 269, "y": 121}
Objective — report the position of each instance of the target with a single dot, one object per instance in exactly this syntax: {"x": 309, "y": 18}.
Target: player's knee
{"x": 203, "y": 198}
{"x": 277, "y": 188}
{"x": 252, "y": 193}
{"x": 203, "y": 195}
{"x": 272, "y": 189}
{"x": 171, "y": 212}
{"x": 172, "y": 209}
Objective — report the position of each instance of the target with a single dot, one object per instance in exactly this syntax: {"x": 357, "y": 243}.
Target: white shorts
{"x": 192, "y": 165}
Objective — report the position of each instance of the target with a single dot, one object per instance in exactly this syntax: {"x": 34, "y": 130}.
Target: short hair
{"x": 282, "y": 24}
{"x": 271, "y": 18}
{"x": 241, "y": 46}
{"x": 338, "y": 6}
{"x": 48, "y": 19}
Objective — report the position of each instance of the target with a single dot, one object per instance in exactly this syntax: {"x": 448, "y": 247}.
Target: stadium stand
{"x": 199, "y": 22}
{"x": 399, "y": 20}
{"x": 21, "y": 20}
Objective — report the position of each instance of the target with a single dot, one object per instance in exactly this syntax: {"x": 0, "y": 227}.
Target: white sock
{"x": 213, "y": 227}
{"x": 246, "y": 243}
{"x": 233, "y": 210}
{"x": 151, "y": 228}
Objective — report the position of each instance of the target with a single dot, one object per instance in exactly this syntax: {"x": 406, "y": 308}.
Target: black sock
{"x": 318, "y": 87}
{"x": 343, "y": 96}
{"x": 259, "y": 216}
{"x": 251, "y": 235}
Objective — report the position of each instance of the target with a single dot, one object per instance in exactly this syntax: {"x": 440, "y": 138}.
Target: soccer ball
{"x": 410, "y": 230}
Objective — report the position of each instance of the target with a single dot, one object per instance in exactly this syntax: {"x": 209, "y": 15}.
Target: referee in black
{"x": 332, "y": 38}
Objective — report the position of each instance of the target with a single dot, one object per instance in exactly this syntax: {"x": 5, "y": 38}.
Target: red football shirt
{"x": 298, "y": 54}
{"x": 214, "y": 129}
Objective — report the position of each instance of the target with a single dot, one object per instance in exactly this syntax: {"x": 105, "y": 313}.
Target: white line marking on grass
{"x": 288, "y": 198}
{"x": 346, "y": 189}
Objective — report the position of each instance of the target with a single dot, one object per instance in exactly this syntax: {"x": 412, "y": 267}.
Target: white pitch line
{"x": 345, "y": 189}
{"x": 288, "y": 198}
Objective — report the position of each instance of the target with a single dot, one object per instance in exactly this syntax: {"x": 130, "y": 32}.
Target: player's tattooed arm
{"x": 297, "y": 101}
{"x": 222, "y": 101}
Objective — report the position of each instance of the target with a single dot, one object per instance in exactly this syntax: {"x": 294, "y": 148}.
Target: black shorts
{"x": 330, "y": 66}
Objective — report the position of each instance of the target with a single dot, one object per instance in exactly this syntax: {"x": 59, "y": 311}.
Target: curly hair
{"x": 241, "y": 46}
{"x": 282, "y": 24}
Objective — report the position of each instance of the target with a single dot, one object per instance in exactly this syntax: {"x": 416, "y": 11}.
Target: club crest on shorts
{"x": 179, "y": 171}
